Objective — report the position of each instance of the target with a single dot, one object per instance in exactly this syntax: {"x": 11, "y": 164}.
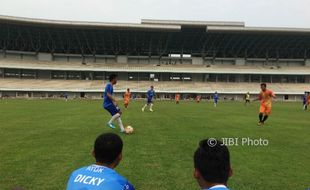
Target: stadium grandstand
{"x": 47, "y": 58}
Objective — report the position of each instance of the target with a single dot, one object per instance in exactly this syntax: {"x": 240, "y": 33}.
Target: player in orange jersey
{"x": 198, "y": 98}
{"x": 308, "y": 99}
{"x": 265, "y": 97}
{"x": 177, "y": 98}
{"x": 127, "y": 97}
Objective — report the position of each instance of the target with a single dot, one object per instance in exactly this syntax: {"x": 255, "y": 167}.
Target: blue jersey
{"x": 216, "y": 97}
{"x": 95, "y": 177}
{"x": 218, "y": 187}
{"x": 106, "y": 100}
{"x": 304, "y": 99}
{"x": 150, "y": 94}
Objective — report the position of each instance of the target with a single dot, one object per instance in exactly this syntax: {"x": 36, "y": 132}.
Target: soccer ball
{"x": 129, "y": 130}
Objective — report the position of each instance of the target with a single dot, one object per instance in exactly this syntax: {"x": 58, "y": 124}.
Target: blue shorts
{"x": 215, "y": 101}
{"x": 149, "y": 101}
{"x": 112, "y": 109}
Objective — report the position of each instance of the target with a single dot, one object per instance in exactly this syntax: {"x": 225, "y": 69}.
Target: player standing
{"x": 304, "y": 101}
{"x": 198, "y": 98}
{"x": 177, "y": 98}
{"x": 247, "y": 98}
{"x": 149, "y": 95}
{"x": 127, "y": 97}
{"x": 110, "y": 104}
{"x": 265, "y": 96}
{"x": 308, "y": 99}
{"x": 215, "y": 98}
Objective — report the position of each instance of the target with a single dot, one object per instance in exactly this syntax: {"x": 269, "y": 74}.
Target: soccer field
{"x": 43, "y": 141}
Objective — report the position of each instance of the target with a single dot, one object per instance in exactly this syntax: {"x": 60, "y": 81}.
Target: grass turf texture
{"x": 43, "y": 141}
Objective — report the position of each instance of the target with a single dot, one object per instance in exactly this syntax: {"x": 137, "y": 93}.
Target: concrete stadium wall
{"x": 145, "y": 76}
{"x": 111, "y": 59}
{"x": 119, "y": 96}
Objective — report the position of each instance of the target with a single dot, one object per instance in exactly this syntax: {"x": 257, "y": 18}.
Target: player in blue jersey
{"x": 109, "y": 103}
{"x": 304, "y": 101}
{"x": 212, "y": 165}
{"x": 215, "y": 98}
{"x": 102, "y": 176}
{"x": 149, "y": 95}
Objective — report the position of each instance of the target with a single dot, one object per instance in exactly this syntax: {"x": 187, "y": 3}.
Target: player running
{"x": 149, "y": 95}
{"x": 110, "y": 104}
{"x": 265, "y": 97}
{"x": 177, "y": 98}
{"x": 215, "y": 98}
{"x": 127, "y": 97}
{"x": 247, "y": 98}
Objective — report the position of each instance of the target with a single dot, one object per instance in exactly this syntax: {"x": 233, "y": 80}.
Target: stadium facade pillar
{"x": 122, "y": 59}
{"x": 307, "y": 62}
{"x": 197, "y": 60}
{"x": 240, "y": 61}
{"x": 2, "y": 73}
{"x": 45, "y": 57}
{"x": 307, "y": 79}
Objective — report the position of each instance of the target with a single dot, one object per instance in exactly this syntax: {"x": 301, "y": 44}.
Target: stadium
{"x": 47, "y": 58}
{"x": 54, "y": 79}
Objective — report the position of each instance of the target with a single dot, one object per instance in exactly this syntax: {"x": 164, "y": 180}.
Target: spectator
{"x": 212, "y": 165}
{"x": 108, "y": 154}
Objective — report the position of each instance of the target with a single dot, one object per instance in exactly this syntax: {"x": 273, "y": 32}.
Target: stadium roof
{"x": 153, "y": 37}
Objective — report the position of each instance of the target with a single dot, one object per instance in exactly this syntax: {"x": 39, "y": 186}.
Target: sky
{"x": 269, "y": 13}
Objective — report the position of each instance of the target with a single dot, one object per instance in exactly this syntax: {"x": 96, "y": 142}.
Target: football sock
{"x": 114, "y": 117}
{"x": 260, "y": 116}
{"x": 120, "y": 123}
{"x": 144, "y": 106}
{"x": 265, "y": 118}
{"x": 151, "y": 106}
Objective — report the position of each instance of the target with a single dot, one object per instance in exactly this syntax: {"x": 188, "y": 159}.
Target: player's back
{"x": 95, "y": 177}
{"x": 219, "y": 188}
{"x": 106, "y": 99}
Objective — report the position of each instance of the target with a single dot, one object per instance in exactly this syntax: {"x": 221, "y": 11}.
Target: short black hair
{"x": 112, "y": 76}
{"x": 263, "y": 84}
{"x": 212, "y": 161}
{"x": 108, "y": 146}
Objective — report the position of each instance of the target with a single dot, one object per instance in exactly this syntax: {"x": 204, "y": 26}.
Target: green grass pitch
{"x": 43, "y": 141}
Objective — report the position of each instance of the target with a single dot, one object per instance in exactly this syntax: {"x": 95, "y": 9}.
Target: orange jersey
{"x": 308, "y": 99}
{"x": 198, "y": 98}
{"x": 177, "y": 97}
{"x": 266, "y": 97}
{"x": 127, "y": 96}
